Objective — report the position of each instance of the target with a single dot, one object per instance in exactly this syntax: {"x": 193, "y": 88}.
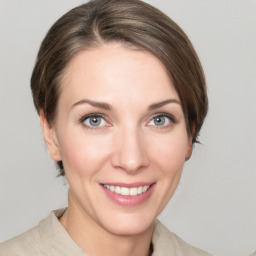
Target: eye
{"x": 161, "y": 120}
{"x": 93, "y": 121}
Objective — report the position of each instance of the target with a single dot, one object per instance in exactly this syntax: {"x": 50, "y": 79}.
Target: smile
{"x": 124, "y": 191}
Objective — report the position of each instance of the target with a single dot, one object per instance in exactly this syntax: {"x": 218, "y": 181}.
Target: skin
{"x": 127, "y": 146}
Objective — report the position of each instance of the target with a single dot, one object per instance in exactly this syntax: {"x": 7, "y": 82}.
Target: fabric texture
{"x": 50, "y": 238}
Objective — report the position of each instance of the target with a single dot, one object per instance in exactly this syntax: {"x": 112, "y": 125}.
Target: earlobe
{"x": 50, "y": 138}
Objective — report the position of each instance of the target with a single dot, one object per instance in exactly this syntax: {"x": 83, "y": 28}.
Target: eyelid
{"x": 171, "y": 118}
{"x": 87, "y": 116}
{"x": 84, "y": 117}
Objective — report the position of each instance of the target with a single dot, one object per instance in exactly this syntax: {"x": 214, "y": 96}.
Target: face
{"x": 121, "y": 134}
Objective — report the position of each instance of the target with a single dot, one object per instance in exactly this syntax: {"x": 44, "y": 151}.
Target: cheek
{"x": 82, "y": 154}
{"x": 170, "y": 153}
{"x": 172, "y": 150}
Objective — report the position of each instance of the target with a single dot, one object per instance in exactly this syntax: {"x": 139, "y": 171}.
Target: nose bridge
{"x": 130, "y": 152}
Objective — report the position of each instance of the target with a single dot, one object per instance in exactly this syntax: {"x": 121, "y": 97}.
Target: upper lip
{"x": 128, "y": 185}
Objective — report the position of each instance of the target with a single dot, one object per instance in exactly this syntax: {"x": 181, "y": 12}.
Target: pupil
{"x": 159, "y": 120}
{"x": 94, "y": 121}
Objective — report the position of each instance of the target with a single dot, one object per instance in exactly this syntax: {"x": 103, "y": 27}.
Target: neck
{"x": 94, "y": 240}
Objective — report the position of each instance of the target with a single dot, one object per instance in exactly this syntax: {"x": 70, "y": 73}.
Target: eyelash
{"x": 94, "y": 115}
{"x": 160, "y": 115}
{"x": 98, "y": 115}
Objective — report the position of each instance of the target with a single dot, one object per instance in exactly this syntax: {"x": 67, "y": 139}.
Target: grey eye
{"x": 95, "y": 121}
{"x": 160, "y": 120}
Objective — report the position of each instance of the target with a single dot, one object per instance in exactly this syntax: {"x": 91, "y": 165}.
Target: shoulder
{"x": 167, "y": 243}
{"x": 48, "y": 238}
{"x": 22, "y": 245}
{"x": 36, "y": 241}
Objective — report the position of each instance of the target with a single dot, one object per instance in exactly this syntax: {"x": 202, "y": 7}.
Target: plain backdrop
{"x": 214, "y": 207}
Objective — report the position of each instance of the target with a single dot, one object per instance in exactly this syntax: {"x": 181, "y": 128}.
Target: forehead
{"x": 114, "y": 70}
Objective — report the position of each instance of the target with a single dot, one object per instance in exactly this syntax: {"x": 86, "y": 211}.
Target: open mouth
{"x": 129, "y": 195}
{"x": 124, "y": 191}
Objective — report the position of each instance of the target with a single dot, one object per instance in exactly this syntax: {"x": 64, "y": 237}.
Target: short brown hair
{"x": 130, "y": 22}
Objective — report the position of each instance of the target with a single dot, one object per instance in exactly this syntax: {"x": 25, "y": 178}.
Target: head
{"x": 121, "y": 96}
{"x": 132, "y": 23}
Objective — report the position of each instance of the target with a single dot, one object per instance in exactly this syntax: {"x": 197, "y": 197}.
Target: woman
{"x": 121, "y": 97}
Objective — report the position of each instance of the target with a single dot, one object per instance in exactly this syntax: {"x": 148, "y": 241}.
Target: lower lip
{"x": 129, "y": 200}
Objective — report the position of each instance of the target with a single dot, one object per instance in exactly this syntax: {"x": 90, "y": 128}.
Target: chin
{"x": 129, "y": 224}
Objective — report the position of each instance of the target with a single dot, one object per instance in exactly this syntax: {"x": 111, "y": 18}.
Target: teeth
{"x": 133, "y": 191}
{"x": 127, "y": 191}
{"x": 140, "y": 190}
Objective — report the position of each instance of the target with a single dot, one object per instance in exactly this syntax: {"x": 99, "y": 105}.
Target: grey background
{"x": 215, "y": 205}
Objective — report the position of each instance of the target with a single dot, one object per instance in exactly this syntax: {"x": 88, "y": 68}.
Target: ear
{"x": 190, "y": 143}
{"x": 189, "y": 150}
{"x": 50, "y": 138}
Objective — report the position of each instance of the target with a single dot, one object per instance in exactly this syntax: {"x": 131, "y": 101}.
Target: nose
{"x": 129, "y": 151}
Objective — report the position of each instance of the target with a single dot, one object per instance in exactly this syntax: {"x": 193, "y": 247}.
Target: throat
{"x": 96, "y": 240}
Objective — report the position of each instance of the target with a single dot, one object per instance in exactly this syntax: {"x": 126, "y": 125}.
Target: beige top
{"x": 50, "y": 238}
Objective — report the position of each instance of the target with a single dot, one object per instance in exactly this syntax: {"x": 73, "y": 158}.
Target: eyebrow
{"x": 162, "y": 103}
{"x": 95, "y": 104}
{"x": 107, "y": 106}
